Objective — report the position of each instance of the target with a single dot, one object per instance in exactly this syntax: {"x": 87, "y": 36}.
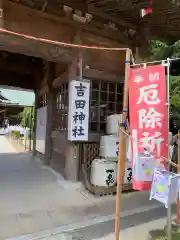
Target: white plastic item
{"x": 170, "y": 137}
{"x": 109, "y": 146}
{"x": 171, "y": 145}
{"x": 103, "y": 172}
{"x": 112, "y": 123}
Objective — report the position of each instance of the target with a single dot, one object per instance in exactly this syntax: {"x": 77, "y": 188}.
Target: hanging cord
{"x": 155, "y": 62}
{"x": 71, "y": 45}
{"x": 63, "y": 44}
{"x": 68, "y": 45}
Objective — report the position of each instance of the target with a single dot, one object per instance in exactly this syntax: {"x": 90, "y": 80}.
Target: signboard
{"x": 148, "y": 122}
{"x": 78, "y": 116}
{"x": 41, "y": 129}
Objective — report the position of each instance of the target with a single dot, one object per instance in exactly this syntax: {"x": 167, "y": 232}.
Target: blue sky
{"x": 18, "y": 96}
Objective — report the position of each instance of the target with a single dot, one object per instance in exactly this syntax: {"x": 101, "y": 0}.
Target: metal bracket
{"x": 165, "y": 63}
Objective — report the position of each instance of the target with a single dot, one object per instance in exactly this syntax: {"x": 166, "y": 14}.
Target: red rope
{"x": 64, "y": 44}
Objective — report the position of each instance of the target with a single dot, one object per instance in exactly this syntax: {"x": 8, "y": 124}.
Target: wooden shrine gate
{"x": 35, "y": 54}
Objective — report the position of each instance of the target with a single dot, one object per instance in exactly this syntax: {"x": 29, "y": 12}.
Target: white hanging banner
{"x": 78, "y": 116}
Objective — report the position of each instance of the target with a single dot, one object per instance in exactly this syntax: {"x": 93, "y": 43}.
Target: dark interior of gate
{"x": 47, "y": 67}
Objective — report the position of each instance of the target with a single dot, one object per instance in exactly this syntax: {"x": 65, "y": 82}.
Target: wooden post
{"x": 38, "y": 77}
{"x": 35, "y": 123}
{"x": 122, "y": 149}
{"x": 178, "y": 171}
{"x": 31, "y": 130}
{"x": 49, "y": 125}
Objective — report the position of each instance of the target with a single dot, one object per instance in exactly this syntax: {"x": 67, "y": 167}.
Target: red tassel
{"x": 146, "y": 11}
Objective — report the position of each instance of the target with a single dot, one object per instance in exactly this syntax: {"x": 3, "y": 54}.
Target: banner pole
{"x": 178, "y": 171}
{"x": 122, "y": 147}
{"x": 169, "y": 213}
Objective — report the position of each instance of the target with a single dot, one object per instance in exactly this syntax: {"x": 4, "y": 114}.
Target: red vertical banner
{"x": 148, "y": 122}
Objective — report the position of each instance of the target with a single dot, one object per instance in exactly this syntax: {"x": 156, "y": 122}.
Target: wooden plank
{"x": 102, "y": 75}
{"x": 28, "y": 21}
{"x": 17, "y": 80}
{"x": 122, "y": 150}
{"x": 33, "y": 48}
{"x": 17, "y": 68}
{"x": 90, "y": 73}
{"x": 45, "y": 25}
{"x": 37, "y": 76}
{"x": 59, "y": 80}
{"x": 1, "y": 14}
{"x": 35, "y": 125}
{"x": 43, "y": 90}
{"x": 33, "y": 22}
{"x": 118, "y": 20}
{"x": 99, "y": 13}
{"x": 50, "y": 99}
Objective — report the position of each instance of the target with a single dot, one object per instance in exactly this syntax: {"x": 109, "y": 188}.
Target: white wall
{"x": 41, "y": 129}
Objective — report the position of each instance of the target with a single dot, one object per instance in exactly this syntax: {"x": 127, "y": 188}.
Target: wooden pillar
{"x": 75, "y": 72}
{"x": 1, "y": 14}
{"x": 38, "y": 77}
{"x": 35, "y": 124}
{"x": 178, "y": 171}
{"x": 138, "y": 58}
{"x": 122, "y": 149}
{"x": 49, "y": 125}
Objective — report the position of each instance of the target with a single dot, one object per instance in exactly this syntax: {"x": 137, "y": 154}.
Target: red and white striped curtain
{"x": 148, "y": 10}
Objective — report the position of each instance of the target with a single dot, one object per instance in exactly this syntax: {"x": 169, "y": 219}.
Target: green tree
{"x": 27, "y": 117}
{"x": 161, "y": 51}
{"x": 175, "y": 100}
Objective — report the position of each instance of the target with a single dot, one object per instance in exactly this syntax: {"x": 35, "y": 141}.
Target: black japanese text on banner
{"x": 78, "y": 116}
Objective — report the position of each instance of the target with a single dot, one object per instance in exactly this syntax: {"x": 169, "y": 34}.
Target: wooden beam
{"x": 89, "y": 73}
{"x": 50, "y": 106}
{"x": 45, "y": 25}
{"x": 62, "y": 78}
{"x": 16, "y": 80}
{"x": 65, "y": 76}
{"x": 40, "y": 24}
{"x": 43, "y": 90}
{"x": 1, "y": 14}
{"x": 116, "y": 35}
{"x": 34, "y": 48}
{"x": 44, "y": 5}
{"x": 37, "y": 76}
{"x": 102, "y": 75}
{"x": 99, "y": 13}
{"x": 120, "y": 20}
{"x": 29, "y": 70}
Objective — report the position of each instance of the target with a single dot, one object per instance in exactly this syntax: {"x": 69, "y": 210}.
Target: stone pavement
{"x": 34, "y": 198}
{"x": 135, "y": 226}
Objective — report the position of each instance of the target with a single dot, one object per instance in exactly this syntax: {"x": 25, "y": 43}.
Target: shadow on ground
{"x": 103, "y": 229}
